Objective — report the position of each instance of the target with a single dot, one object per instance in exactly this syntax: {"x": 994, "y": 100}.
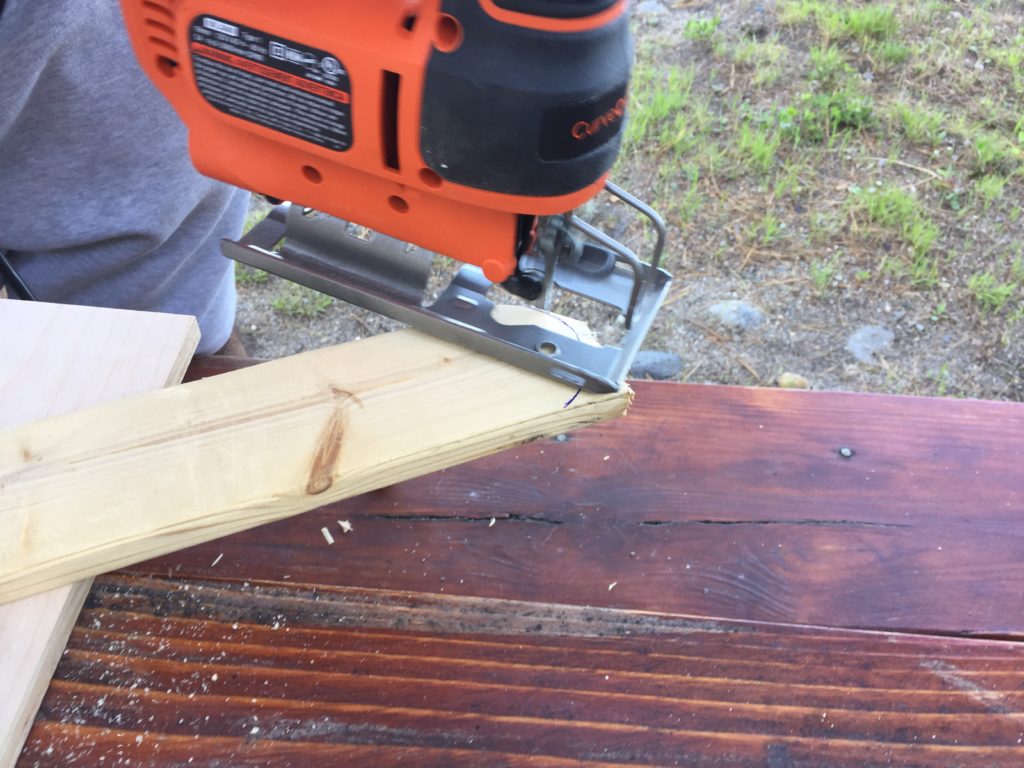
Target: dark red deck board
{"x": 250, "y": 670}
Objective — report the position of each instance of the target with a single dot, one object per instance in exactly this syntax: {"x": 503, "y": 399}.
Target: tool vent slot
{"x": 390, "y": 87}
{"x": 158, "y": 17}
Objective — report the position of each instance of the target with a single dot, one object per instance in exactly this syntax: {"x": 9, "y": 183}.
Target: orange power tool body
{"x": 464, "y": 127}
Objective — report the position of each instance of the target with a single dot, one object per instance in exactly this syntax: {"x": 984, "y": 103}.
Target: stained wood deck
{"x": 629, "y": 594}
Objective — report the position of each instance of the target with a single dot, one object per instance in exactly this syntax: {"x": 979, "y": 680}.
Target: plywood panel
{"x": 56, "y": 359}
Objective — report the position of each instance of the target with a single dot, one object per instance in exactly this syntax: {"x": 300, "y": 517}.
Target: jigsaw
{"x": 398, "y": 129}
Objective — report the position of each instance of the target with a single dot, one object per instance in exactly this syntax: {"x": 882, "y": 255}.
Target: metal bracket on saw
{"x": 390, "y": 277}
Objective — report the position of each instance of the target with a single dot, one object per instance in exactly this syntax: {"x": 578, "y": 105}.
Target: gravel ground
{"x": 783, "y": 274}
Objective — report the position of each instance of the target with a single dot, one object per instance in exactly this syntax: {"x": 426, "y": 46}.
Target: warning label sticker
{"x": 273, "y": 82}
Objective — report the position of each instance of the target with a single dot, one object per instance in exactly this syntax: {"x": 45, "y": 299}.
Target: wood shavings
{"x": 612, "y": 586}
{"x": 345, "y": 525}
{"x": 327, "y": 535}
{"x": 493, "y": 521}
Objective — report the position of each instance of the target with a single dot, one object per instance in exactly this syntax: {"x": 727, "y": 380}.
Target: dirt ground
{"x": 843, "y": 188}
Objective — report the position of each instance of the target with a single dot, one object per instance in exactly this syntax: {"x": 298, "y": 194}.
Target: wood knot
{"x": 325, "y": 454}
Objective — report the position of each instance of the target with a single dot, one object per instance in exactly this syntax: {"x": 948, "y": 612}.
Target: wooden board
{"x": 196, "y": 462}
{"x": 57, "y": 359}
{"x": 714, "y": 501}
{"x": 162, "y": 671}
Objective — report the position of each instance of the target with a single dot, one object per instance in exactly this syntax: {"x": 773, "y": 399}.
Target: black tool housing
{"x": 523, "y": 110}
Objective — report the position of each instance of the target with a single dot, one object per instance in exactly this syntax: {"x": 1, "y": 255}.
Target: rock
{"x": 789, "y": 380}
{"x": 737, "y": 314}
{"x": 656, "y": 365}
{"x": 868, "y": 340}
{"x": 649, "y": 8}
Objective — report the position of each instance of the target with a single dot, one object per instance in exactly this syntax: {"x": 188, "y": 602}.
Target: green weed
{"x": 828, "y": 64}
{"x": 994, "y": 153}
{"x": 921, "y": 236}
{"x": 1011, "y": 59}
{"x": 692, "y": 200}
{"x": 918, "y": 122}
{"x": 767, "y": 230}
{"x": 792, "y": 12}
{"x": 896, "y": 209}
{"x": 989, "y": 188}
{"x": 763, "y": 58}
{"x": 887, "y": 54}
{"x": 865, "y": 23}
{"x": 248, "y": 276}
{"x": 989, "y": 293}
{"x": 788, "y": 181}
{"x": 819, "y": 116}
{"x": 887, "y": 206}
{"x": 659, "y": 101}
{"x": 822, "y": 271}
{"x": 701, "y": 30}
{"x": 1017, "y": 271}
{"x": 923, "y": 271}
{"x": 758, "y": 146}
{"x": 298, "y": 301}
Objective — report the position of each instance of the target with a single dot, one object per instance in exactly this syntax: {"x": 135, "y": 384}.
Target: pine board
{"x": 192, "y": 463}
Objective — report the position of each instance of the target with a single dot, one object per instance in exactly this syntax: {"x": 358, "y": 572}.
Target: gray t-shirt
{"x": 99, "y": 203}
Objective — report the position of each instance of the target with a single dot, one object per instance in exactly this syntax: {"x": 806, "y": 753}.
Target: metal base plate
{"x": 390, "y": 277}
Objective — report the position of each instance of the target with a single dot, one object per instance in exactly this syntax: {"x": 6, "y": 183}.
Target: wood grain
{"x": 57, "y": 359}
{"x": 713, "y": 501}
{"x": 281, "y": 674}
{"x": 199, "y": 461}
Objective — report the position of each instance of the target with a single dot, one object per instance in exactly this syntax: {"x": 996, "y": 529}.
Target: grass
{"x": 894, "y": 209}
{"x": 661, "y": 104}
{"x": 249, "y": 276}
{"x": 818, "y": 117}
{"x": 989, "y": 188}
{"x": 990, "y": 294}
{"x": 919, "y": 123}
{"x": 837, "y": 21}
{"x": 767, "y": 229}
{"x": 866, "y": 23}
{"x": 757, "y": 146}
{"x": 828, "y": 65}
{"x": 701, "y": 29}
{"x": 298, "y": 301}
{"x": 822, "y": 272}
{"x": 763, "y": 58}
{"x": 994, "y": 152}
{"x": 892, "y": 132}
